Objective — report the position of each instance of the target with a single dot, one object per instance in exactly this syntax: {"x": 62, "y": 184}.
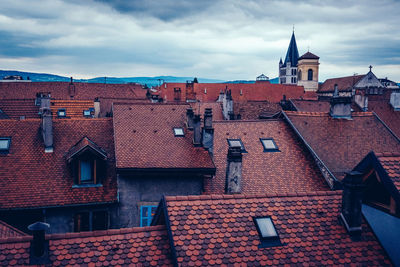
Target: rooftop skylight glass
{"x": 179, "y": 132}
{"x": 235, "y": 143}
{"x": 269, "y": 144}
{"x": 5, "y": 144}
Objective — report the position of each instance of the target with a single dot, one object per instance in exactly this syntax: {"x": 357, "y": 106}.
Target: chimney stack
{"x": 71, "y": 88}
{"x": 234, "y": 170}
{"x": 227, "y": 105}
{"x": 208, "y": 131}
{"x": 189, "y": 118}
{"x": 39, "y": 250}
{"x": 351, "y": 202}
{"x": 47, "y": 124}
{"x": 340, "y": 106}
{"x": 196, "y": 130}
{"x": 96, "y": 105}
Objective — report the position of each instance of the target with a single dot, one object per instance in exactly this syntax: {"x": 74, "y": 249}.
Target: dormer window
{"x": 267, "y": 232}
{"x": 87, "y": 161}
{"x": 269, "y": 144}
{"x": 5, "y": 145}
{"x": 179, "y": 132}
{"x": 236, "y": 142}
{"x": 61, "y": 113}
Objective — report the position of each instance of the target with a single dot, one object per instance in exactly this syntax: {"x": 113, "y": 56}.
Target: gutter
{"x": 332, "y": 181}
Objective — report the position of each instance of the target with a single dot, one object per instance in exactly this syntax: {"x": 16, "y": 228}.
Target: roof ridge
{"x": 388, "y": 154}
{"x": 244, "y": 121}
{"x": 249, "y": 196}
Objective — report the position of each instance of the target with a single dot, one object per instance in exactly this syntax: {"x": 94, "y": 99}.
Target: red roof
{"x": 31, "y": 178}
{"x": 145, "y": 246}
{"x": 290, "y": 170}
{"x": 200, "y": 107}
{"x": 252, "y": 110}
{"x": 17, "y": 108}
{"x": 219, "y": 230}
{"x": 73, "y": 108}
{"x": 7, "y": 231}
{"x": 60, "y": 90}
{"x": 386, "y": 112}
{"x": 391, "y": 163}
{"x": 144, "y": 138}
{"x": 207, "y": 92}
{"x": 341, "y": 144}
{"x": 316, "y": 105}
{"x": 343, "y": 83}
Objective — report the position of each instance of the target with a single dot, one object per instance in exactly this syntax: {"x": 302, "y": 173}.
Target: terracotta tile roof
{"x": 7, "y": 231}
{"x": 308, "y": 55}
{"x": 219, "y": 230}
{"x": 341, "y": 144}
{"x": 32, "y": 178}
{"x": 386, "y": 112}
{"x": 316, "y": 105}
{"x": 199, "y": 108}
{"x": 106, "y": 104}
{"x": 252, "y": 110}
{"x": 343, "y": 83}
{"x": 290, "y": 170}
{"x": 60, "y": 90}
{"x": 146, "y": 246}
{"x": 207, "y": 92}
{"x": 144, "y": 138}
{"x": 17, "y": 108}
{"x": 73, "y": 108}
{"x": 82, "y": 145}
{"x": 310, "y": 95}
{"x": 391, "y": 163}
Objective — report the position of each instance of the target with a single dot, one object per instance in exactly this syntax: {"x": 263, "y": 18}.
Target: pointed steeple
{"x": 280, "y": 62}
{"x": 292, "y": 54}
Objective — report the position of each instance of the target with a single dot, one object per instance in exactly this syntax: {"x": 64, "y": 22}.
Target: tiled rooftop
{"x": 7, "y": 231}
{"x": 17, "y": 108}
{"x": 146, "y": 246}
{"x": 32, "y": 178}
{"x": 200, "y": 107}
{"x": 290, "y": 170}
{"x": 391, "y": 164}
{"x": 343, "y": 83}
{"x": 144, "y": 138}
{"x": 341, "y": 144}
{"x": 252, "y": 110}
{"x": 386, "y": 112}
{"x": 219, "y": 230}
{"x": 73, "y": 108}
{"x": 316, "y": 105}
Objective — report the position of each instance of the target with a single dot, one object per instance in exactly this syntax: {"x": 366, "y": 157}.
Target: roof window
{"x": 61, "y": 113}
{"x": 5, "y": 145}
{"x": 86, "y": 113}
{"x": 236, "y": 142}
{"x": 179, "y": 132}
{"x": 269, "y": 144}
{"x": 267, "y": 232}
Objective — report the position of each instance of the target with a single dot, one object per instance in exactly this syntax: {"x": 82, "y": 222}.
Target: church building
{"x": 297, "y": 70}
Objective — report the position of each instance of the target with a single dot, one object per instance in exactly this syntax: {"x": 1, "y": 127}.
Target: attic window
{"x": 269, "y": 144}
{"x": 61, "y": 112}
{"x": 267, "y": 232}
{"x": 179, "y": 132}
{"x": 5, "y": 145}
{"x": 86, "y": 113}
{"x": 236, "y": 142}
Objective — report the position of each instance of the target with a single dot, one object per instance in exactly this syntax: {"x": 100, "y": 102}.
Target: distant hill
{"x": 150, "y": 81}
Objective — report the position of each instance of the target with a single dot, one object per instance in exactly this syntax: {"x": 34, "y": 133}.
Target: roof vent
{"x": 39, "y": 250}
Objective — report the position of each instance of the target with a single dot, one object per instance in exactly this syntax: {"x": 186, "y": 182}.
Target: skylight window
{"x": 61, "y": 112}
{"x": 86, "y": 113}
{"x": 5, "y": 144}
{"x": 269, "y": 144}
{"x": 235, "y": 143}
{"x": 267, "y": 232}
{"x": 179, "y": 132}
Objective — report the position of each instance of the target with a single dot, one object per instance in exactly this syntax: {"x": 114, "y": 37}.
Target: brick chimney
{"x": 196, "y": 130}
{"x": 351, "y": 202}
{"x": 340, "y": 106}
{"x": 208, "y": 131}
{"x": 47, "y": 124}
{"x": 234, "y": 170}
{"x": 39, "y": 249}
{"x": 71, "y": 88}
{"x": 96, "y": 105}
{"x": 189, "y": 118}
{"x": 395, "y": 100}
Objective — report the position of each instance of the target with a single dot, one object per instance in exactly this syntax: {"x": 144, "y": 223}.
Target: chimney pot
{"x": 189, "y": 118}
{"x": 96, "y": 105}
{"x": 39, "y": 245}
{"x": 208, "y": 118}
{"x": 340, "y": 107}
{"x": 234, "y": 170}
{"x": 196, "y": 130}
{"x": 352, "y": 201}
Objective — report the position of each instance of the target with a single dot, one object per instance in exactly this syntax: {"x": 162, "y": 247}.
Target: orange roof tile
{"x": 7, "y": 231}
{"x": 17, "y": 108}
{"x": 391, "y": 163}
{"x": 343, "y": 83}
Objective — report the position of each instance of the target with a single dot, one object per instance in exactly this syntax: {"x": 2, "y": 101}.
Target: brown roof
{"x": 343, "y": 83}
{"x": 7, "y": 231}
{"x": 17, "y": 108}
{"x": 252, "y": 110}
{"x": 73, "y": 108}
{"x": 32, "y": 178}
{"x": 308, "y": 55}
{"x": 289, "y": 170}
{"x": 219, "y": 230}
{"x": 391, "y": 163}
{"x": 207, "y": 92}
{"x": 200, "y": 107}
{"x": 341, "y": 144}
{"x": 106, "y": 104}
{"x": 60, "y": 90}
{"x": 386, "y": 112}
{"x": 144, "y": 138}
{"x": 145, "y": 246}
{"x": 316, "y": 105}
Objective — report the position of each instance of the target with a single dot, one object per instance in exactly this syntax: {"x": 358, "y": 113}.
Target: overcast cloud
{"x": 220, "y": 39}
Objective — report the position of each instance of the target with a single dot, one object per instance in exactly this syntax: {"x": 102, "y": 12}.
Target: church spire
{"x": 292, "y": 54}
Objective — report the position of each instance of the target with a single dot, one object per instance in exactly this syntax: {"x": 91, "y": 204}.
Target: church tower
{"x": 307, "y": 71}
{"x": 288, "y": 68}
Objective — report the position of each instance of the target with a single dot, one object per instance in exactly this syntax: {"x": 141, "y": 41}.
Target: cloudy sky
{"x": 221, "y": 39}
